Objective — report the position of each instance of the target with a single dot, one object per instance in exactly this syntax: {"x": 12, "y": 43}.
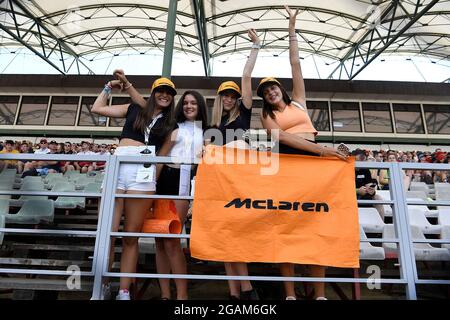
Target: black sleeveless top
{"x": 242, "y": 122}
{"x": 155, "y": 138}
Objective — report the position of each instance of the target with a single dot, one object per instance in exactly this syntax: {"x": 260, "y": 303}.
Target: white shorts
{"x": 128, "y": 172}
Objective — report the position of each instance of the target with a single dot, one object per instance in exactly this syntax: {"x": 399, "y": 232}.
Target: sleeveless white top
{"x": 188, "y": 147}
{"x": 189, "y": 142}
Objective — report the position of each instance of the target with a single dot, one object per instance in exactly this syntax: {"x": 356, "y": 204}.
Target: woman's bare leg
{"x": 287, "y": 270}
{"x": 135, "y": 213}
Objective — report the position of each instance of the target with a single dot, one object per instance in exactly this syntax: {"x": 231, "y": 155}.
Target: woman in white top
{"x": 186, "y": 146}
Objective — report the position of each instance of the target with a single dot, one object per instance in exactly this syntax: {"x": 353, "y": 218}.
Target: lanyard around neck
{"x": 150, "y": 127}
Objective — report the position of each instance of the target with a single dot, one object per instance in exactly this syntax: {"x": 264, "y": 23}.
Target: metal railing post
{"x": 407, "y": 259}
{"x": 106, "y": 213}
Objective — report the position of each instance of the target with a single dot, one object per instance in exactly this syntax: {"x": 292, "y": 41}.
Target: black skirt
{"x": 169, "y": 181}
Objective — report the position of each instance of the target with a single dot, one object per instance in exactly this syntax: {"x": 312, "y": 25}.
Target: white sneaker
{"x": 123, "y": 295}
{"x": 106, "y": 291}
{"x": 291, "y": 298}
{"x": 321, "y": 298}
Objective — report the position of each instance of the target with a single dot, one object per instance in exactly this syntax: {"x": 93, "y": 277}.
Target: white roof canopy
{"x": 347, "y": 34}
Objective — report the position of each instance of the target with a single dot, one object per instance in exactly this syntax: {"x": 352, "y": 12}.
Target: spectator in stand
{"x": 43, "y": 147}
{"x": 384, "y": 174}
{"x": 373, "y": 172}
{"x": 43, "y": 168}
{"x": 409, "y": 157}
{"x": 424, "y": 175}
{"x": 9, "y": 148}
{"x": 60, "y": 148}
{"x": 95, "y": 148}
{"x": 404, "y": 157}
{"x": 67, "y": 165}
{"x": 85, "y": 166}
{"x": 100, "y": 165}
{"x": 366, "y": 185}
{"x": 440, "y": 176}
{"x": 24, "y": 148}
{"x": 391, "y": 156}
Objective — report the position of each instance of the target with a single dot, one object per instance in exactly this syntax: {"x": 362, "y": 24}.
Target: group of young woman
{"x": 178, "y": 131}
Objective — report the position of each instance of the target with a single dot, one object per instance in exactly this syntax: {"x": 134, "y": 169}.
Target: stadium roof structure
{"x": 347, "y": 34}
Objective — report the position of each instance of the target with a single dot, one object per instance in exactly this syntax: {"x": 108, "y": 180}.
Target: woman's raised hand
{"x": 292, "y": 14}
{"x": 120, "y": 75}
{"x": 254, "y": 36}
{"x": 116, "y": 84}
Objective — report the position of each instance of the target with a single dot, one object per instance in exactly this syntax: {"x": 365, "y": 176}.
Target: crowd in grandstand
{"x": 85, "y": 147}
{"x": 44, "y": 147}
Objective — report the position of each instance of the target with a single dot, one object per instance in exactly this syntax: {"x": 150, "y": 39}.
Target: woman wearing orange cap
{"x": 296, "y": 134}
{"x": 231, "y": 115}
{"x": 146, "y": 125}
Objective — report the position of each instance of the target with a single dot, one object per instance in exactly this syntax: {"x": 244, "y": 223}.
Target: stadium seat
{"x": 30, "y": 186}
{"x": 99, "y": 177}
{"x": 420, "y": 186}
{"x": 33, "y": 212}
{"x": 384, "y": 194}
{"x": 444, "y": 216}
{"x": 416, "y": 195}
{"x": 427, "y": 212}
{"x": 6, "y": 185}
{"x": 82, "y": 181}
{"x": 444, "y": 186}
{"x": 445, "y": 235}
{"x": 4, "y": 206}
{"x": 73, "y": 175}
{"x": 67, "y": 202}
{"x": 390, "y": 249}
{"x": 33, "y": 180}
{"x": 367, "y": 251}
{"x": 54, "y": 181}
{"x": 417, "y": 218}
{"x": 370, "y": 220}
{"x": 9, "y": 172}
{"x": 53, "y": 175}
{"x": 2, "y": 225}
{"x": 443, "y": 194}
{"x": 93, "y": 187}
{"x": 425, "y": 251}
{"x": 422, "y": 251}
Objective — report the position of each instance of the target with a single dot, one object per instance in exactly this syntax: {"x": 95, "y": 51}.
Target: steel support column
{"x": 200, "y": 22}
{"x": 170, "y": 38}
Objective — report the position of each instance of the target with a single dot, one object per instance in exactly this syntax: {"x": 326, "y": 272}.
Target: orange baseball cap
{"x": 229, "y": 85}
{"x": 164, "y": 82}
{"x": 263, "y": 82}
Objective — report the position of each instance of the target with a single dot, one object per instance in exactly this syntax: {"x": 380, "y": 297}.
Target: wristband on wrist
{"x": 128, "y": 86}
{"x": 256, "y": 46}
{"x": 107, "y": 89}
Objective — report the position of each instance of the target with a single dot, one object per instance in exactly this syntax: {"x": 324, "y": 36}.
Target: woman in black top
{"x": 148, "y": 125}
{"x": 232, "y": 110}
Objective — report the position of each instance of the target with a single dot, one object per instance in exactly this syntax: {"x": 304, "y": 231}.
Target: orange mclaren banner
{"x": 305, "y": 212}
